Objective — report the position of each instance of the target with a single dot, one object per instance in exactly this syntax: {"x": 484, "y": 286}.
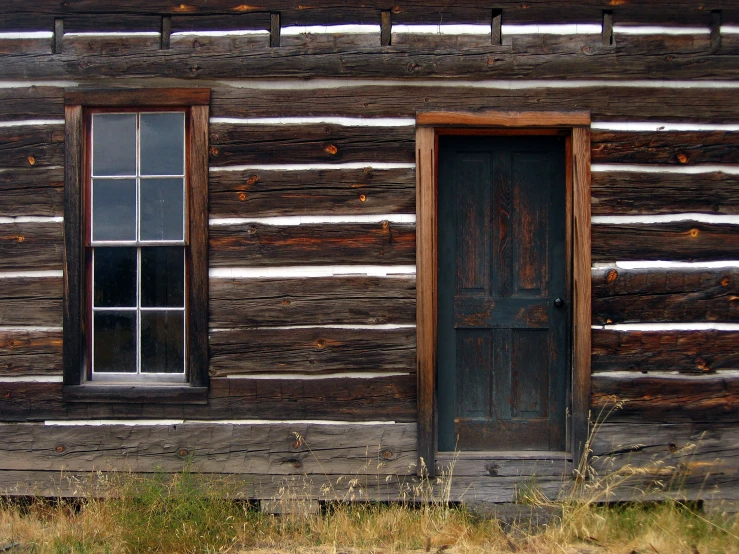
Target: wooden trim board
{"x": 429, "y": 127}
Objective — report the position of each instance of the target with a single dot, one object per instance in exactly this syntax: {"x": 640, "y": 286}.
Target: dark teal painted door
{"x": 503, "y": 322}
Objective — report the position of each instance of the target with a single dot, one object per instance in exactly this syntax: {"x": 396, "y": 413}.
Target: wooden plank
{"x": 31, "y": 301}
{"x": 110, "y": 45}
{"x": 684, "y": 240}
{"x": 504, "y": 119}
{"x": 665, "y": 295}
{"x": 202, "y": 43}
{"x": 222, "y": 22}
{"x": 666, "y": 449}
{"x": 30, "y": 353}
{"x": 34, "y": 46}
{"x": 111, "y": 23}
{"x": 233, "y": 144}
{"x": 321, "y": 41}
{"x": 31, "y": 146}
{"x": 684, "y": 351}
{"x": 386, "y": 27}
{"x": 312, "y": 351}
{"x": 274, "y": 29}
{"x": 244, "y": 303}
{"x": 33, "y": 102}
{"x": 104, "y": 98}
{"x": 267, "y": 449}
{"x": 30, "y": 246}
{"x": 665, "y": 147}
{"x": 257, "y": 244}
{"x": 389, "y": 62}
{"x": 668, "y": 397}
{"x": 623, "y": 192}
{"x": 391, "y": 398}
{"x": 31, "y": 192}
{"x": 426, "y": 283}
{"x": 58, "y": 42}
{"x": 165, "y": 34}
{"x": 197, "y": 296}
{"x": 503, "y": 464}
{"x": 260, "y": 193}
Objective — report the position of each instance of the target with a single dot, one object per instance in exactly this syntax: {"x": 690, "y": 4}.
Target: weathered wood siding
{"x": 300, "y": 328}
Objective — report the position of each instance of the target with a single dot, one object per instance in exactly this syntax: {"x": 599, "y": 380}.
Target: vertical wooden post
{"x": 607, "y": 28}
{"x": 166, "y": 32}
{"x": 58, "y": 35}
{"x": 426, "y": 279}
{"x": 581, "y": 283}
{"x": 198, "y": 299}
{"x": 716, "y": 29}
{"x": 274, "y": 30}
{"x": 386, "y": 28}
{"x": 73, "y": 246}
{"x": 496, "y": 33}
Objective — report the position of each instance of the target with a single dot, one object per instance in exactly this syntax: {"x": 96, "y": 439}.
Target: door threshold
{"x": 504, "y": 455}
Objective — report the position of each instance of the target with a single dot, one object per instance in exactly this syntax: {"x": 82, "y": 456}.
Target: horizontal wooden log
{"x": 684, "y": 240}
{"x": 269, "y": 449}
{"x": 109, "y": 45}
{"x": 222, "y": 22}
{"x": 493, "y": 62}
{"x": 311, "y": 41}
{"x": 645, "y": 351}
{"x": 667, "y": 397}
{"x": 257, "y": 244}
{"x": 31, "y": 301}
{"x": 406, "y": 11}
{"x": 503, "y": 464}
{"x": 666, "y": 450}
{"x": 391, "y": 398}
{"x": 232, "y": 144}
{"x": 19, "y": 103}
{"x": 628, "y": 193}
{"x": 30, "y": 246}
{"x": 665, "y": 147}
{"x": 31, "y": 191}
{"x": 30, "y": 353}
{"x": 605, "y": 103}
{"x": 312, "y": 351}
{"x": 111, "y": 23}
{"x": 25, "y": 46}
{"x": 31, "y": 146}
{"x": 203, "y": 44}
{"x": 243, "y": 303}
{"x": 665, "y": 295}
{"x": 334, "y": 191}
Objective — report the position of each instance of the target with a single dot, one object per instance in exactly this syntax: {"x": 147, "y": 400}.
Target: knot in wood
{"x": 387, "y": 454}
{"x": 362, "y": 198}
{"x": 242, "y": 196}
{"x": 21, "y": 239}
{"x": 214, "y": 151}
{"x": 298, "y": 443}
{"x": 31, "y": 160}
{"x": 366, "y": 171}
{"x": 396, "y": 10}
{"x": 196, "y": 44}
{"x": 492, "y": 469}
{"x": 286, "y": 302}
{"x": 331, "y": 149}
{"x": 182, "y": 452}
{"x": 194, "y": 69}
{"x": 411, "y": 67}
{"x": 321, "y": 343}
{"x": 672, "y": 447}
{"x": 694, "y": 233}
{"x": 252, "y": 180}
{"x": 682, "y": 157}
{"x": 586, "y": 49}
{"x": 59, "y": 448}
{"x": 385, "y": 223}
{"x": 297, "y": 464}
{"x": 612, "y": 276}
{"x": 8, "y": 395}
{"x": 251, "y": 230}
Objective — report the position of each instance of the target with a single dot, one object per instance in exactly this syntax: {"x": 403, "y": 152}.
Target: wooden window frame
{"x": 79, "y": 104}
{"x": 575, "y": 126}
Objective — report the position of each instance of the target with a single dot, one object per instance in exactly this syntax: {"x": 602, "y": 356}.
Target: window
{"x": 136, "y": 267}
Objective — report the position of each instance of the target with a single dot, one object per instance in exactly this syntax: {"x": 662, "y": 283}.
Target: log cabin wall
{"x": 312, "y": 229}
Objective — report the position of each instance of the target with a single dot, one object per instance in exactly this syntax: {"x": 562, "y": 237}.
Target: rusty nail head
{"x": 59, "y": 448}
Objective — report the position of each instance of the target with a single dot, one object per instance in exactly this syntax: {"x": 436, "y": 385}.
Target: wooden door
{"x": 502, "y": 312}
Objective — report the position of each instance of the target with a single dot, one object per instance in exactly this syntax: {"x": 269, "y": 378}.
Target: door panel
{"x": 502, "y": 342}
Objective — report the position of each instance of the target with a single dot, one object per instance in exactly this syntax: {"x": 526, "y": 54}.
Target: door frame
{"x": 575, "y": 126}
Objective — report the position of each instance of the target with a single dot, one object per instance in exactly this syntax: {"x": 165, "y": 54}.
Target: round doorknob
{"x": 558, "y": 302}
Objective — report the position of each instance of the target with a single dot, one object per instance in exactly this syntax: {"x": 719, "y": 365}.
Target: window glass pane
{"x": 114, "y": 344}
{"x": 115, "y": 277}
{"x": 162, "y": 211}
{"x": 114, "y": 209}
{"x": 162, "y": 342}
{"x": 163, "y": 277}
{"x": 162, "y": 143}
{"x": 113, "y": 144}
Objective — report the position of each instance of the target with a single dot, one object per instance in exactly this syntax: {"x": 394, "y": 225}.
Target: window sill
{"x": 135, "y": 394}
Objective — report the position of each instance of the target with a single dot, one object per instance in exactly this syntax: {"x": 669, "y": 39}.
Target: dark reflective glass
{"x": 114, "y": 342}
{"x": 113, "y": 144}
{"x": 114, "y": 209}
{"x": 162, "y": 209}
{"x": 162, "y": 342}
{"x": 162, "y": 143}
{"x": 115, "y": 277}
{"x": 163, "y": 277}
